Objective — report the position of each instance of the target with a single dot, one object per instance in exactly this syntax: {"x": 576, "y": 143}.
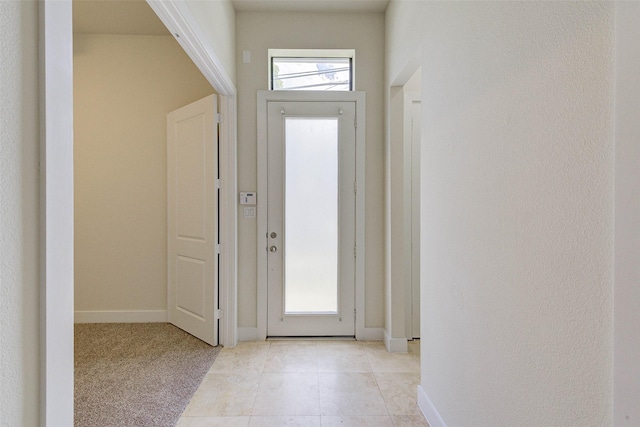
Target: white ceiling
{"x": 135, "y": 17}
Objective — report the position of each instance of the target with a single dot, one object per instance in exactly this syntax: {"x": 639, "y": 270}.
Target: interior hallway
{"x": 308, "y": 383}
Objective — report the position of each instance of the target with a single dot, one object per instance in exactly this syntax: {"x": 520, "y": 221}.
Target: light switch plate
{"x": 249, "y": 212}
{"x": 248, "y": 198}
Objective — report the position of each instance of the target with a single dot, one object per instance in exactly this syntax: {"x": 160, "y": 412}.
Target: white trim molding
{"x": 428, "y": 409}
{"x": 121, "y": 316}
{"x": 228, "y": 297}
{"x": 395, "y": 345}
{"x": 249, "y": 334}
{"x": 56, "y": 213}
{"x": 371, "y": 334}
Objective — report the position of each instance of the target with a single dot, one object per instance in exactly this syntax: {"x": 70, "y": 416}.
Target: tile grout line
{"x": 318, "y": 377}
{"x": 253, "y": 405}
{"x": 386, "y": 407}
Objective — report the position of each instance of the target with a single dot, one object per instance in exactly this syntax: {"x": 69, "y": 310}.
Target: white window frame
{"x": 313, "y": 53}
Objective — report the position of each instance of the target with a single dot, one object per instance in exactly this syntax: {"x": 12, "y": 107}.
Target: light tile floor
{"x": 308, "y": 383}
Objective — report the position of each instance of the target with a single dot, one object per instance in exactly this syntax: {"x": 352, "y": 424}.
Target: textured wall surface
{"x": 124, "y": 86}
{"x": 627, "y": 206}
{"x": 19, "y": 256}
{"x": 517, "y": 207}
{"x": 257, "y": 32}
{"x": 218, "y": 23}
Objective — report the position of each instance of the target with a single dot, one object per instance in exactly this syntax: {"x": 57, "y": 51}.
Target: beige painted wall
{"x": 257, "y": 32}
{"x": 123, "y": 88}
{"x": 517, "y": 207}
{"x": 19, "y": 216}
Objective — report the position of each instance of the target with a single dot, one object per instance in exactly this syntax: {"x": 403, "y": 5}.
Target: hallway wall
{"x": 257, "y": 32}
{"x": 517, "y": 208}
{"x": 19, "y": 216}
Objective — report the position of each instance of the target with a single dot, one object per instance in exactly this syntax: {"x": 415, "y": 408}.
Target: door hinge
{"x": 218, "y": 184}
{"x": 355, "y": 251}
{"x": 355, "y": 187}
{"x": 219, "y": 248}
{"x": 218, "y": 118}
{"x": 219, "y": 314}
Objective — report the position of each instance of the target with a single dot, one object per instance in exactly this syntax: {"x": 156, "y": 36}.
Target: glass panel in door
{"x": 311, "y": 215}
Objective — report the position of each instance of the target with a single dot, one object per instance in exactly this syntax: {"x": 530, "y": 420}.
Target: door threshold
{"x": 313, "y": 338}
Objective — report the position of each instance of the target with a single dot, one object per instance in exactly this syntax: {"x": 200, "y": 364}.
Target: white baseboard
{"x": 371, "y": 334}
{"x": 395, "y": 345}
{"x": 248, "y": 334}
{"x": 368, "y": 334}
{"x": 428, "y": 410}
{"x": 121, "y": 316}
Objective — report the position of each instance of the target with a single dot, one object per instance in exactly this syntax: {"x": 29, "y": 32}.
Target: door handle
{"x": 273, "y": 249}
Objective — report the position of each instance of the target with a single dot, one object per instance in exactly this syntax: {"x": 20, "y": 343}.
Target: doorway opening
{"x": 403, "y": 212}
{"x": 120, "y": 160}
{"x": 56, "y": 29}
{"x": 412, "y": 138}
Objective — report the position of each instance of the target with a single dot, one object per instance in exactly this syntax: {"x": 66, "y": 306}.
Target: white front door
{"x": 192, "y": 197}
{"x": 311, "y": 158}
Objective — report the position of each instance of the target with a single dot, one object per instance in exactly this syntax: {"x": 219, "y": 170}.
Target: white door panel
{"x": 190, "y": 281}
{"x": 192, "y": 151}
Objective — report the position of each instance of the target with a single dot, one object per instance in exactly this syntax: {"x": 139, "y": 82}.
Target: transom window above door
{"x": 311, "y": 69}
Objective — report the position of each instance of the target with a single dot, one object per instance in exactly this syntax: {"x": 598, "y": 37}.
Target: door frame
{"x": 263, "y": 98}
{"x": 409, "y": 157}
{"x": 56, "y": 192}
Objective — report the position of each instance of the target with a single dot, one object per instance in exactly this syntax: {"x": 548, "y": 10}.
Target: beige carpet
{"x": 140, "y": 374}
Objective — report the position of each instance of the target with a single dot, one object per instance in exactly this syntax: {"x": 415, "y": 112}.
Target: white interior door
{"x": 311, "y": 218}
{"x": 192, "y": 161}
